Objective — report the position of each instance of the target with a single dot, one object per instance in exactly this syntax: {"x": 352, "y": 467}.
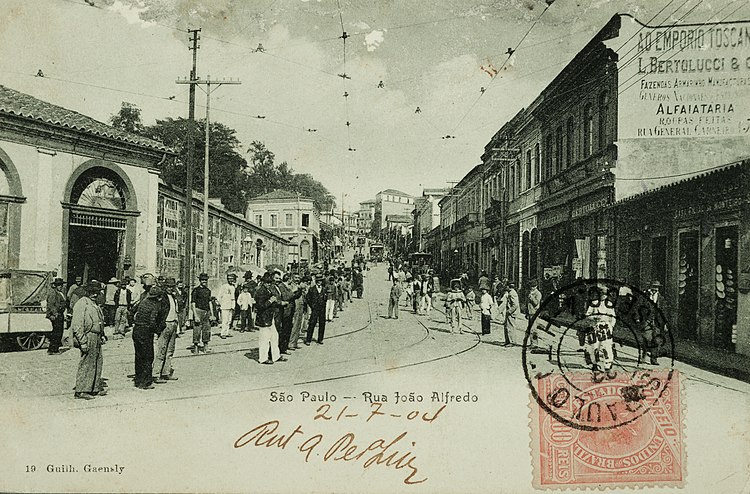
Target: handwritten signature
{"x": 394, "y": 453}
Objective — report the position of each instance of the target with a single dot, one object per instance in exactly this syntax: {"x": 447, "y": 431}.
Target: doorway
{"x": 688, "y": 285}
{"x": 93, "y": 253}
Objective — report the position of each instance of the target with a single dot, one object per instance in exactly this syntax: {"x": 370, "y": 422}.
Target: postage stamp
{"x": 605, "y": 412}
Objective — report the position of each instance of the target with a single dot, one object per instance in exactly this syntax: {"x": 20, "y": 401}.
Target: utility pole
{"x": 208, "y": 82}
{"x": 188, "y": 269}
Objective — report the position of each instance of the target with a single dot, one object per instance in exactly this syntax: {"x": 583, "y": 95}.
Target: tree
{"x": 265, "y": 176}
{"x": 127, "y": 119}
{"x": 228, "y": 179}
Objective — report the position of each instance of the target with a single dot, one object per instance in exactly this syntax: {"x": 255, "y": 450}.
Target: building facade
{"x": 390, "y": 202}
{"x": 291, "y": 216}
{"x": 235, "y": 244}
{"x": 77, "y": 197}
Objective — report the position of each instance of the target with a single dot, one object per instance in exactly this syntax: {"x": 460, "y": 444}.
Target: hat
{"x": 655, "y": 284}
{"x": 318, "y": 277}
{"x": 148, "y": 279}
{"x": 170, "y": 282}
{"x": 113, "y": 280}
{"x": 484, "y": 284}
{"x": 58, "y": 282}
{"x": 93, "y": 286}
{"x": 202, "y": 277}
{"x": 231, "y": 276}
{"x": 155, "y": 291}
{"x": 455, "y": 281}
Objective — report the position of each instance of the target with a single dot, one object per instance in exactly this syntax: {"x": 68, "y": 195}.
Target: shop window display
{"x": 725, "y": 288}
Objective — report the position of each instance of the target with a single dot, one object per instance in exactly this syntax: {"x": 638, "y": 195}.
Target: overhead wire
{"x": 510, "y": 54}
{"x": 716, "y": 23}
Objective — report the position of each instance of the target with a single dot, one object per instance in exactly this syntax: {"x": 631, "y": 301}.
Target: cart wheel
{"x": 30, "y": 341}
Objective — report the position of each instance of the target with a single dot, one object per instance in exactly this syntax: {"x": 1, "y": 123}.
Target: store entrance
{"x": 93, "y": 253}
{"x": 725, "y": 324}
{"x": 688, "y": 286}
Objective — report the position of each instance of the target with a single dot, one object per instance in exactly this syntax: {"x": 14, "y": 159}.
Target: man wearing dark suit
{"x": 655, "y": 323}
{"x": 56, "y": 305}
{"x": 316, "y": 301}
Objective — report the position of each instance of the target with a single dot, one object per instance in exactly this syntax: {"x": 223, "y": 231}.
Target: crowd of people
{"x": 284, "y": 308}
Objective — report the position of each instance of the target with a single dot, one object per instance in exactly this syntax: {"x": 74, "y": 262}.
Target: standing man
{"x": 393, "y": 298}
{"x": 200, "y": 308}
{"x": 512, "y": 314}
{"x": 289, "y": 293}
{"x": 534, "y": 300}
{"x": 165, "y": 344}
{"x": 330, "y": 298}
{"x": 109, "y": 301}
{"x": 149, "y": 320}
{"x": 653, "y": 333}
{"x": 454, "y": 300}
{"x": 358, "y": 282}
{"x": 299, "y": 311}
{"x": 56, "y": 305}
{"x": 88, "y": 333}
{"x": 227, "y": 301}
{"x": 485, "y": 305}
{"x": 245, "y": 302}
{"x": 180, "y": 295}
{"x": 316, "y": 300}
{"x": 123, "y": 303}
{"x": 267, "y": 305}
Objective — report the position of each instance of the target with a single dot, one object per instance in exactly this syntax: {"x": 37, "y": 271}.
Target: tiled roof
{"x": 280, "y": 194}
{"x": 19, "y": 104}
{"x": 697, "y": 176}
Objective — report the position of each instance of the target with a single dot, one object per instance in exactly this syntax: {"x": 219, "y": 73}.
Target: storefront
{"x": 693, "y": 238}
{"x": 576, "y": 237}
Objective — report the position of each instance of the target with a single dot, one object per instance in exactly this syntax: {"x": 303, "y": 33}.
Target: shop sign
{"x": 548, "y": 219}
{"x": 589, "y": 207}
{"x": 729, "y": 203}
{"x": 684, "y": 81}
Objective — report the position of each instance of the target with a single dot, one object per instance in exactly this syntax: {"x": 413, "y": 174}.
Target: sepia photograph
{"x": 375, "y": 246}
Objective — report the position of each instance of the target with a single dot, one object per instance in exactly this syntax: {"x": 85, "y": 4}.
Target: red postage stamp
{"x": 625, "y": 431}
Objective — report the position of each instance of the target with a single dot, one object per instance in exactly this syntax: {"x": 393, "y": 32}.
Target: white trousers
{"x": 268, "y": 338}
{"x": 226, "y": 320}
{"x": 330, "y": 304}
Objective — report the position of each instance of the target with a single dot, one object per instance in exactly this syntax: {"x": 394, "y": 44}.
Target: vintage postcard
{"x": 352, "y": 246}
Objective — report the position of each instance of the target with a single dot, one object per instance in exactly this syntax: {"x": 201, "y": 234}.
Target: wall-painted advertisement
{"x": 685, "y": 81}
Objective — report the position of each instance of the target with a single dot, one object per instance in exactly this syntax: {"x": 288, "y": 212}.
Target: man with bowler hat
{"x": 56, "y": 304}
{"x": 315, "y": 299}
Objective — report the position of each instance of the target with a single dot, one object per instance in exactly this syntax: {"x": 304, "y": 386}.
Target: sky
{"x": 432, "y": 55}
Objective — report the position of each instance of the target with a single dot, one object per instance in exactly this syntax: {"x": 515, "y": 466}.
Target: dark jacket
{"x": 151, "y": 314}
{"x": 288, "y": 294}
{"x": 265, "y": 309}
{"x": 128, "y": 297}
{"x": 55, "y": 304}
{"x": 316, "y": 300}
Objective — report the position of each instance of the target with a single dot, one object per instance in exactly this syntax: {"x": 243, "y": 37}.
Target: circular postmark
{"x": 591, "y": 354}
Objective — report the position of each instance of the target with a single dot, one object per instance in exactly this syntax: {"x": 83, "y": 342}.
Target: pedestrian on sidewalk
{"x": 330, "y": 298}
{"x": 123, "y": 304}
{"x": 485, "y": 305}
{"x": 470, "y": 301}
{"x": 245, "y": 301}
{"x": 56, "y": 304}
{"x": 299, "y": 311}
{"x": 267, "y": 305}
{"x": 88, "y": 334}
{"x": 512, "y": 314}
{"x": 393, "y": 299}
{"x": 150, "y": 319}
{"x": 166, "y": 342}
{"x": 227, "y": 300}
{"x": 289, "y": 293}
{"x": 454, "y": 301}
{"x": 316, "y": 300}
{"x": 200, "y": 308}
